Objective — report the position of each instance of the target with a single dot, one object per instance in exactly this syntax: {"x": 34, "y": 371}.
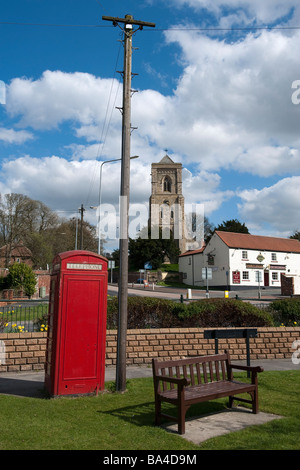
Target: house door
{"x": 266, "y": 278}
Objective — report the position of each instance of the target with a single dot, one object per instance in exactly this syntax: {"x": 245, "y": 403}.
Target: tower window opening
{"x": 167, "y": 184}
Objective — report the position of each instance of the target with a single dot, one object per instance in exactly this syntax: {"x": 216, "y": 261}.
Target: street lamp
{"x": 100, "y": 187}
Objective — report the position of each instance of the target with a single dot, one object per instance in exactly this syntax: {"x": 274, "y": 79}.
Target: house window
{"x": 274, "y": 256}
{"x": 245, "y": 275}
{"x": 274, "y": 276}
{"x": 244, "y": 254}
{"x": 210, "y": 260}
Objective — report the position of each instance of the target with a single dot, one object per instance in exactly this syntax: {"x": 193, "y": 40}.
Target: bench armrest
{"x": 246, "y": 368}
{"x": 175, "y": 380}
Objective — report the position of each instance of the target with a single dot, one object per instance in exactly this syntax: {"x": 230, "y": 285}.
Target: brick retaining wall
{"x": 27, "y": 351}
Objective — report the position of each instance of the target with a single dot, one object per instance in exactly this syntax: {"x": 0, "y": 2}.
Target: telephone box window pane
{"x": 81, "y": 329}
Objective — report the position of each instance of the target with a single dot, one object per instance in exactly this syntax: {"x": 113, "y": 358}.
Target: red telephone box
{"x": 75, "y": 359}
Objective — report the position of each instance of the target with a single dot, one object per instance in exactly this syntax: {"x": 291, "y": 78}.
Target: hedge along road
{"x": 173, "y": 293}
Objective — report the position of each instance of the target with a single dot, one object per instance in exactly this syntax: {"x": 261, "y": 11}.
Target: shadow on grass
{"x": 143, "y": 414}
{"x": 22, "y": 387}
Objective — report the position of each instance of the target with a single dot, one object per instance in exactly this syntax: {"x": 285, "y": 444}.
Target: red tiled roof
{"x": 17, "y": 251}
{"x": 192, "y": 252}
{"x": 258, "y": 242}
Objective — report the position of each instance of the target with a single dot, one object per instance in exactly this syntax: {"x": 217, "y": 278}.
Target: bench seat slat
{"x": 208, "y": 391}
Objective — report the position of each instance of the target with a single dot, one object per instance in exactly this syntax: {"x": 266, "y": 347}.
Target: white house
{"x": 240, "y": 261}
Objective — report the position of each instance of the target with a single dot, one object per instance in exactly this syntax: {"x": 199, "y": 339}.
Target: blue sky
{"x": 214, "y": 92}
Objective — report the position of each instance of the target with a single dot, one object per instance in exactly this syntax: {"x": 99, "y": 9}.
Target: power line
{"x": 105, "y": 123}
{"x": 249, "y": 28}
{"x": 188, "y": 28}
{"x": 14, "y": 23}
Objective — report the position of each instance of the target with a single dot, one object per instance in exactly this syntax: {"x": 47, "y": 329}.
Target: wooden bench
{"x": 185, "y": 382}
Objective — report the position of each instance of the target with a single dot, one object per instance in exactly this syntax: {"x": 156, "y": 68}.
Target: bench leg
{"x": 181, "y": 418}
{"x": 255, "y": 408}
{"x": 157, "y": 412}
{"x": 181, "y": 421}
{"x": 253, "y": 401}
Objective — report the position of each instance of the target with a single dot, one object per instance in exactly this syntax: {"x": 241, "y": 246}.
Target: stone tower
{"x": 166, "y": 205}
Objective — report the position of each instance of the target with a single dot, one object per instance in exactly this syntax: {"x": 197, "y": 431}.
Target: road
{"x": 173, "y": 293}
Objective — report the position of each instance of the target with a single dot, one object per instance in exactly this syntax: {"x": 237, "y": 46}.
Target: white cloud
{"x": 60, "y": 184}
{"x": 231, "y": 109}
{"x": 275, "y": 206}
{"x": 232, "y": 99}
{"x": 58, "y": 96}
{"x": 64, "y": 185}
{"x": 11, "y": 136}
{"x": 203, "y": 188}
{"x": 263, "y": 11}
{"x": 267, "y": 160}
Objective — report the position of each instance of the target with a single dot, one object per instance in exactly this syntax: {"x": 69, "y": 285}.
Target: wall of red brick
{"x": 287, "y": 285}
{"x": 27, "y": 351}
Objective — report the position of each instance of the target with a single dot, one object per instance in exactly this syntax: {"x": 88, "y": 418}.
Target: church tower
{"x": 166, "y": 203}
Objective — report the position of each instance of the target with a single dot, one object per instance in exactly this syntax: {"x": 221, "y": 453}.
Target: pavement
{"x": 198, "y": 429}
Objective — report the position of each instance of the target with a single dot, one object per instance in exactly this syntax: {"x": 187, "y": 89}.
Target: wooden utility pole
{"x": 128, "y": 27}
{"x": 81, "y": 210}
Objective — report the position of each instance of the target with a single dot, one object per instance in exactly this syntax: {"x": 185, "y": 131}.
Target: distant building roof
{"x": 193, "y": 252}
{"x": 17, "y": 251}
{"x": 258, "y": 242}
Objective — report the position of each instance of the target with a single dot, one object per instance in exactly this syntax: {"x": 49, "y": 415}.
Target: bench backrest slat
{"x": 171, "y": 375}
{"x": 201, "y": 369}
{"x": 192, "y": 375}
{"x": 217, "y": 370}
{"x": 204, "y": 372}
{"x": 211, "y": 371}
{"x": 198, "y": 373}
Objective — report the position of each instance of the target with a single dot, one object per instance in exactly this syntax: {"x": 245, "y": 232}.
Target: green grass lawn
{"x": 124, "y": 421}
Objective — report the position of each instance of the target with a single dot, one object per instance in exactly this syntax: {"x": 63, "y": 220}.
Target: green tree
{"x": 24, "y": 220}
{"x": 142, "y": 250}
{"x": 202, "y": 227}
{"x": 21, "y": 276}
{"x": 233, "y": 225}
{"x": 64, "y": 236}
{"x": 296, "y": 235}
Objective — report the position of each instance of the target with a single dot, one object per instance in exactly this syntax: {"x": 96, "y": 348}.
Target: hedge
{"x": 149, "y": 312}
{"x": 286, "y": 311}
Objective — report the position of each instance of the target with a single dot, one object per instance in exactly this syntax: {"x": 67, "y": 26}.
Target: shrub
{"x": 286, "y": 311}
{"x": 143, "y": 312}
{"x": 224, "y": 313}
{"x": 22, "y": 276}
{"x": 148, "y": 312}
